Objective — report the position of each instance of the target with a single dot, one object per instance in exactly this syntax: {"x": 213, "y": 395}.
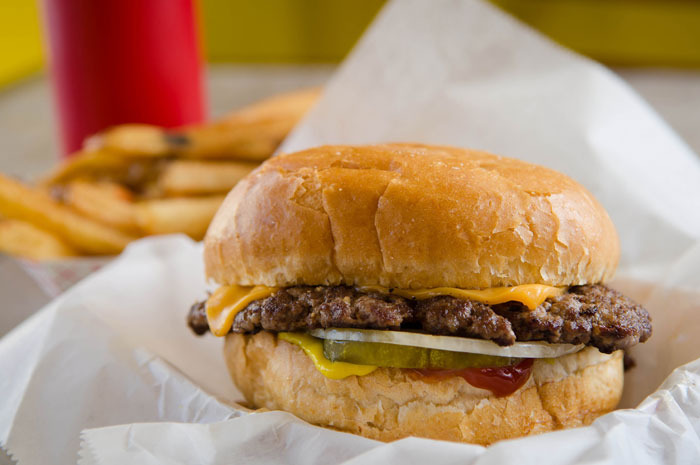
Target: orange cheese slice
{"x": 530, "y": 295}
{"x": 227, "y": 301}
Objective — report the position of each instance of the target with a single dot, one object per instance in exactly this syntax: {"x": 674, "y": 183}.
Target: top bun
{"x": 408, "y": 216}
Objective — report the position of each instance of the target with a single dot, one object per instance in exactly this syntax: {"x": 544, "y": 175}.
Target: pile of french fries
{"x": 136, "y": 180}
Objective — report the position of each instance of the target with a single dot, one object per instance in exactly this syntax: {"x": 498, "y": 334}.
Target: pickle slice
{"x": 392, "y": 355}
{"x": 519, "y": 349}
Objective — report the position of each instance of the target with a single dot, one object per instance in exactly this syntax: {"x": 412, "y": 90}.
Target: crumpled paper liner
{"x": 617, "y": 438}
{"x": 114, "y": 349}
{"x": 101, "y": 354}
{"x": 55, "y": 276}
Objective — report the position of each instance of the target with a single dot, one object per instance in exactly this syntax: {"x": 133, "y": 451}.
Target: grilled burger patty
{"x": 592, "y": 314}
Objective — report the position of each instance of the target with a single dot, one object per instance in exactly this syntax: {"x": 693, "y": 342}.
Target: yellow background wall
{"x": 284, "y": 30}
{"x": 20, "y": 40}
{"x": 619, "y": 32}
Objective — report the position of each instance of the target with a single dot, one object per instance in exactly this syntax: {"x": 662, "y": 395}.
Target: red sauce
{"x": 502, "y": 381}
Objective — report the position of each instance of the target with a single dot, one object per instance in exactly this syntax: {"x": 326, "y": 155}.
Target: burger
{"x": 412, "y": 290}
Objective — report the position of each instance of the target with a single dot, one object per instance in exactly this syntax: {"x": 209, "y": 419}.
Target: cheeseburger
{"x": 411, "y": 290}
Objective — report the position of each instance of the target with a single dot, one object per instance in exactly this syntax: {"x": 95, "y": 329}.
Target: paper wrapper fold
{"x": 115, "y": 350}
{"x": 55, "y": 276}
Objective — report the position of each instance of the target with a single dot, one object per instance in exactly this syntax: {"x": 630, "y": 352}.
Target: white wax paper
{"x": 461, "y": 72}
{"x": 55, "y": 276}
{"x": 113, "y": 358}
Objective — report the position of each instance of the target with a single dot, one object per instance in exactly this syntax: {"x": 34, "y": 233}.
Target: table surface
{"x": 29, "y": 139}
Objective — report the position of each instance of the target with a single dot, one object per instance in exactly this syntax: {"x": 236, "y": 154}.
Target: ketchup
{"x": 502, "y": 381}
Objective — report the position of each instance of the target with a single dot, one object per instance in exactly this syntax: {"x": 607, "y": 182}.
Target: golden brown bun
{"x": 388, "y": 404}
{"x": 408, "y": 216}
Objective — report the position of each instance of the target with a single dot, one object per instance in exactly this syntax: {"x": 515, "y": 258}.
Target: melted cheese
{"x": 530, "y": 295}
{"x": 227, "y": 301}
{"x": 313, "y": 348}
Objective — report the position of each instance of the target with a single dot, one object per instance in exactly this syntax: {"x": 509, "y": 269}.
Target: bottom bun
{"x": 390, "y": 404}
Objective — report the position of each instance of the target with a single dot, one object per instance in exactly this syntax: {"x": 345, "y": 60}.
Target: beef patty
{"x": 593, "y": 315}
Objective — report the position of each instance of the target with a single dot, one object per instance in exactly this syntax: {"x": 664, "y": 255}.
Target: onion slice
{"x": 534, "y": 349}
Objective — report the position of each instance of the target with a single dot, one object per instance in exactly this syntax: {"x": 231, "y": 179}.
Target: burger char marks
{"x": 594, "y": 315}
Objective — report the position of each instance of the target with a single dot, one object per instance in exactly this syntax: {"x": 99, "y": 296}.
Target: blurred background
{"x": 250, "y": 50}
{"x": 257, "y": 48}
{"x": 616, "y": 32}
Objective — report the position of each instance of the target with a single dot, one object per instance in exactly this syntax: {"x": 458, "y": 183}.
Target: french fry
{"x": 102, "y": 165}
{"x": 106, "y": 202}
{"x": 38, "y": 208}
{"x": 190, "y": 216}
{"x": 97, "y": 214}
{"x": 86, "y": 164}
{"x": 23, "y": 239}
{"x": 142, "y": 140}
{"x": 251, "y": 133}
{"x": 191, "y": 177}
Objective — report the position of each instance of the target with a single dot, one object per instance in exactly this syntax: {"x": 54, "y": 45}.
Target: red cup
{"x": 123, "y": 61}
